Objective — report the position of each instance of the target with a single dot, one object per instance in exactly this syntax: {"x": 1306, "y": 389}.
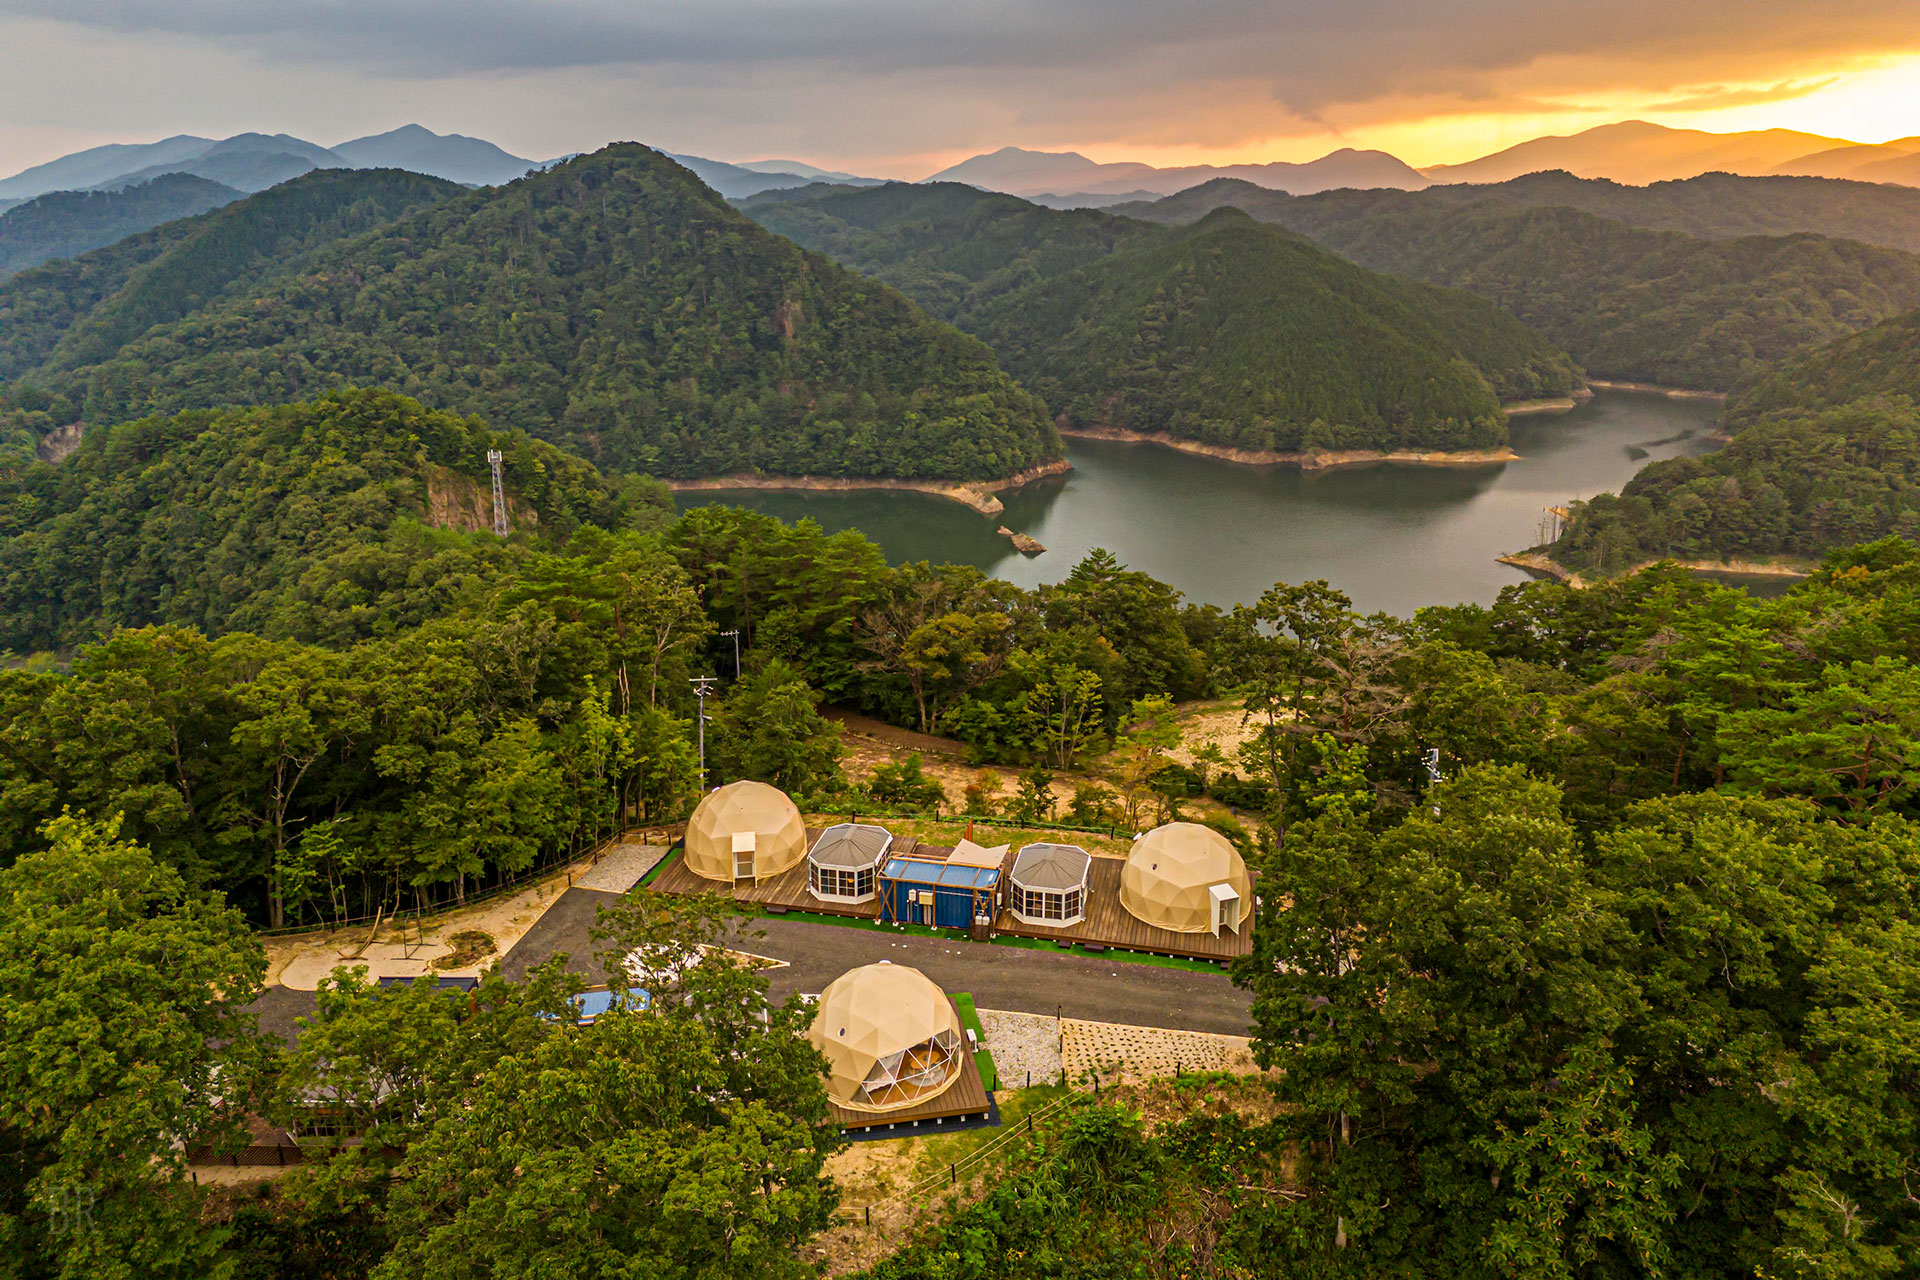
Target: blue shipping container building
{"x": 910, "y": 889}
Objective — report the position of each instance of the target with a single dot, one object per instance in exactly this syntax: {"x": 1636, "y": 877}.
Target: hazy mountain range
{"x": 1632, "y": 152}
{"x": 1061, "y": 173}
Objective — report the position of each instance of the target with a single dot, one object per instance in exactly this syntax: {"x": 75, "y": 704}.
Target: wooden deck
{"x": 1107, "y": 923}
{"x": 788, "y": 890}
{"x": 966, "y": 1098}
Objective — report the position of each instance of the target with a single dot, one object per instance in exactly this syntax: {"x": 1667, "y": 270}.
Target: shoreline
{"x": 1309, "y": 460}
{"x": 1541, "y": 563}
{"x": 1654, "y": 389}
{"x": 976, "y": 494}
{"x": 1550, "y": 404}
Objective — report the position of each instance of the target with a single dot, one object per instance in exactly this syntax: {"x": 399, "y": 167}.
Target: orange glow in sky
{"x": 1869, "y": 100}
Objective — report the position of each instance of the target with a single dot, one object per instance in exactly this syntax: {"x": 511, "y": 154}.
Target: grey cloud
{"x": 1311, "y": 53}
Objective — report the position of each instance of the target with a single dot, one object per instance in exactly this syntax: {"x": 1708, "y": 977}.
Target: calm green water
{"x": 1392, "y": 537}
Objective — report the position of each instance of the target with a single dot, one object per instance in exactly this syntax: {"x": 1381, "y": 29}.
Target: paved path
{"x": 1022, "y": 979}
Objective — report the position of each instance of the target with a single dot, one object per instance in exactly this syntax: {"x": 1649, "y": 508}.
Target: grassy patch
{"x": 970, "y": 1019}
{"x": 658, "y": 867}
{"x": 1015, "y": 1106}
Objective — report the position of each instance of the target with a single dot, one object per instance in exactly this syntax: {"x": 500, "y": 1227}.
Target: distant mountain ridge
{"x": 1637, "y": 152}
{"x": 1632, "y": 152}
{"x": 255, "y": 161}
{"x": 1713, "y": 206}
{"x": 62, "y": 224}
{"x": 1059, "y": 175}
{"x": 738, "y": 181}
{"x": 1611, "y": 272}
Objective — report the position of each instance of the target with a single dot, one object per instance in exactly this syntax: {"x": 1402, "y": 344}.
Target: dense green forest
{"x": 1630, "y": 989}
{"x": 64, "y": 224}
{"x": 612, "y": 305}
{"x": 292, "y": 520}
{"x": 1712, "y": 206}
{"x": 68, "y": 314}
{"x": 1631, "y": 305}
{"x": 1227, "y": 333}
{"x": 1242, "y": 335}
{"x": 1825, "y": 453}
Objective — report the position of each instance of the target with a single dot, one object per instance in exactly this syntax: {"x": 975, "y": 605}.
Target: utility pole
{"x": 736, "y": 651}
{"x": 702, "y": 686}
{"x": 494, "y": 460}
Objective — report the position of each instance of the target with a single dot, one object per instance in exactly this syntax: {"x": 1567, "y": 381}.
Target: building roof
{"x": 1052, "y": 866}
{"x": 850, "y": 844}
{"x": 944, "y": 875}
{"x": 1171, "y": 870}
{"x": 745, "y": 808}
{"x": 969, "y": 854}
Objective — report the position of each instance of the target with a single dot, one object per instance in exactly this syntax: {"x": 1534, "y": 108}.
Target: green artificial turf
{"x": 970, "y": 1019}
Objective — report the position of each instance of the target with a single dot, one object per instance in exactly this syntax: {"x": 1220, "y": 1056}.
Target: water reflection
{"x": 1392, "y": 537}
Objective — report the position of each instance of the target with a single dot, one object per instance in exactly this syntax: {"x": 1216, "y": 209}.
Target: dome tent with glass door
{"x": 1187, "y": 878}
{"x": 1048, "y": 885}
{"x": 744, "y": 831}
{"x": 891, "y": 1038}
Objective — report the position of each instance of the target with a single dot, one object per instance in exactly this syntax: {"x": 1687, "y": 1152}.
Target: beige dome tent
{"x": 1187, "y": 878}
{"x": 890, "y": 1036}
{"x": 745, "y": 830}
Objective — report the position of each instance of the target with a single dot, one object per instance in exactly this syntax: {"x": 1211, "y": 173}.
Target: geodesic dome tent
{"x": 1188, "y": 879}
{"x": 843, "y": 861}
{"x": 891, "y": 1038}
{"x": 744, "y": 830}
{"x": 1048, "y": 884}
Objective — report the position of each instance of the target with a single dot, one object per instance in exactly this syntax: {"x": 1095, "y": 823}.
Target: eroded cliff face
{"x": 59, "y": 442}
{"x": 455, "y": 501}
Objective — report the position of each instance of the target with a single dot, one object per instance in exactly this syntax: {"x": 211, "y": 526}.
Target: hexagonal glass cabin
{"x": 1187, "y": 878}
{"x": 744, "y": 831}
{"x": 1048, "y": 885}
{"x": 891, "y": 1038}
{"x": 843, "y": 862}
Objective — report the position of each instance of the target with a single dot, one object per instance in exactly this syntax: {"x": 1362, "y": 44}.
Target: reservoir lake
{"x": 1393, "y": 537}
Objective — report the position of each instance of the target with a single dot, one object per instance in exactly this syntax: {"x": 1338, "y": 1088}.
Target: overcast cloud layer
{"x": 897, "y": 80}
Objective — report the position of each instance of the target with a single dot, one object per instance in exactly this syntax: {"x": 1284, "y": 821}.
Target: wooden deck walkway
{"x": 1107, "y": 923}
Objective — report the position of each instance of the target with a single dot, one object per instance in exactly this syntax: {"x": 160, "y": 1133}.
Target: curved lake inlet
{"x": 1392, "y": 537}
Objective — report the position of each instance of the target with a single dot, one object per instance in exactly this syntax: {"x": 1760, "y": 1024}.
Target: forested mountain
{"x": 68, "y": 314}
{"x": 613, "y": 305}
{"x": 1228, "y": 333}
{"x": 1629, "y": 304}
{"x": 1825, "y": 453}
{"x": 1241, "y": 335}
{"x": 948, "y": 246}
{"x": 1713, "y": 206}
{"x": 66, "y": 223}
{"x": 316, "y": 521}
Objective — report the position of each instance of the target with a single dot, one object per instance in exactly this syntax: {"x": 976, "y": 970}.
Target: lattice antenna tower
{"x": 494, "y": 460}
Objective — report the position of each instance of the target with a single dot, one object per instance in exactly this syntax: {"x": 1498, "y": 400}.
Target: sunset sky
{"x": 900, "y": 88}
